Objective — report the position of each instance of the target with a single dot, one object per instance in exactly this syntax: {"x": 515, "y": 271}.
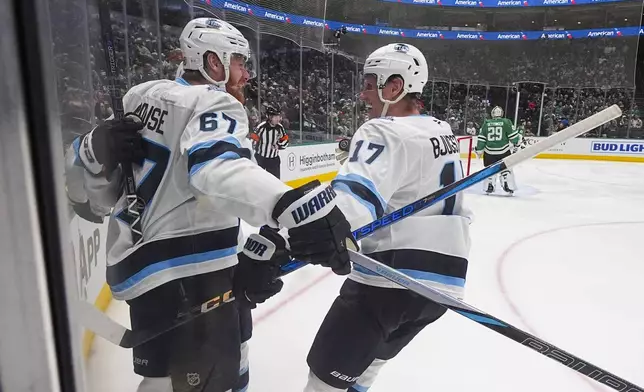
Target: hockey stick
{"x": 115, "y": 333}
{"x": 134, "y": 208}
{"x": 544, "y": 348}
{"x": 98, "y": 322}
{"x": 92, "y": 318}
{"x": 575, "y": 130}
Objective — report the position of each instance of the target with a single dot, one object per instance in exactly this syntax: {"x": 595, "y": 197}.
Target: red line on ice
{"x": 513, "y": 307}
{"x": 280, "y": 305}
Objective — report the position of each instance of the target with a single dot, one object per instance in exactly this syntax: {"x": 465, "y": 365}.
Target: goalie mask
{"x": 399, "y": 59}
{"x": 497, "y": 112}
{"x": 204, "y": 35}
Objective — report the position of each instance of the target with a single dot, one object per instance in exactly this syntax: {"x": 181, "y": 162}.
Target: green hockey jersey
{"x": 495, "y": 136}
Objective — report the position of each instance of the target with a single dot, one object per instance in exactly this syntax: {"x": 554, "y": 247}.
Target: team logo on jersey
{"x": 401, "y": 48}
{"x": 193, "y": 379}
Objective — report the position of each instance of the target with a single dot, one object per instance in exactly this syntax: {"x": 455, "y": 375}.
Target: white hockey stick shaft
{"x": 572, "y": 131}
{"x": 100, "y": 323}
{"x": 95, "y": 320}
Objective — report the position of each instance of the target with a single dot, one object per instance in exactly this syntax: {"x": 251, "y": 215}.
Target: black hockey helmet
{"x": 272, "y": 111}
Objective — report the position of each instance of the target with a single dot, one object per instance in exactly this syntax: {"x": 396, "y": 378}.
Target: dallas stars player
{"x": 494, "y": 143}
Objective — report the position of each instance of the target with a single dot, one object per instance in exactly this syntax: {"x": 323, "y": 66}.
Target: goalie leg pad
{"x": 489, "y": 184}
{"x": 507, "y": 178}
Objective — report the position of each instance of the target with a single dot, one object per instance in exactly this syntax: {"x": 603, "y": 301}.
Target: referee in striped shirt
{"x": 268, "y": 138}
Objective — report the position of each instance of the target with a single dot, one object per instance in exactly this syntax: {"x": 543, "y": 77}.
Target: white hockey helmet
{"x": 203, "y": 35}
{"x": 398, "y": 59}
{"x": 496, "y": 112}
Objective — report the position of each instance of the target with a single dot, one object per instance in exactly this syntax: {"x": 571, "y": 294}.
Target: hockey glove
{"x": 112, "y": 143}
{"x": 256, "y": 275}
{"x": 318, "y": 231}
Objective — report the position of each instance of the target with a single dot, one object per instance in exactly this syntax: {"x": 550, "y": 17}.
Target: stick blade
{"x": 100, "y": 323}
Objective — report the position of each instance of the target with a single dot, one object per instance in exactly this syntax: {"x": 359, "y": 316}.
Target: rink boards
{"x": 619, "y": 150}
{"x": 300, "y": 164}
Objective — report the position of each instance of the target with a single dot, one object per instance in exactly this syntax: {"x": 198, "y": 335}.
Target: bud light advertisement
{"x": 617, "y": 147}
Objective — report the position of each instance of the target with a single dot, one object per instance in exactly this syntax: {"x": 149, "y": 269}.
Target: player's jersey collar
{"x": 182, "y": 81}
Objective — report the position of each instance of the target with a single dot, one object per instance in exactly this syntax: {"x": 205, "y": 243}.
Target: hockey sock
{"x": 242, "y": 382}
{"x": 155, "y": 384}
{"x": 314, "y": 384}
{"x": 368, "y": 377}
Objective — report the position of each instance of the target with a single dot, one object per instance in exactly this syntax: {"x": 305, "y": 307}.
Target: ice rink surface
{"x": 561, "y": 259}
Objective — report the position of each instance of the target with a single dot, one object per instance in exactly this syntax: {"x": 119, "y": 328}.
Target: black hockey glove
{"x": 257, "y": 274}
{"x": 318, "y": 231}
{"x": 84, "y": 210}
{"x": 112, "y": 143}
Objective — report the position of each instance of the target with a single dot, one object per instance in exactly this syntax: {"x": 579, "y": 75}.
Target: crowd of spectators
{"x": 323, "y": 84}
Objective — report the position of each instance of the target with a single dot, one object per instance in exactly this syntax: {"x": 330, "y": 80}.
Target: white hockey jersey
{"x": 394, "y": 161}
{"x": 196, "y": 182}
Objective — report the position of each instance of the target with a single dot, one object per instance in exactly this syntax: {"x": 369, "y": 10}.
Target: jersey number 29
{"x": 495, "y": 134}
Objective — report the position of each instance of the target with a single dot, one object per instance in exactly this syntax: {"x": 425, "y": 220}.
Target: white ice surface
{"x": 561, "y": 259}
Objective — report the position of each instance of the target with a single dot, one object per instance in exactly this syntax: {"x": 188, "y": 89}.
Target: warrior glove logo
{"x": 313, "y": 205}
{"x": 255, "y": 247}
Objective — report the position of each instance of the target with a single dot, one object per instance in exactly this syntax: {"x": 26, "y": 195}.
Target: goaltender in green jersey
{"x": 493, "y": 142}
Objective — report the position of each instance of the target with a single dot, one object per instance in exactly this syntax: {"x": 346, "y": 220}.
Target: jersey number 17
{"x": 449, "y": 175}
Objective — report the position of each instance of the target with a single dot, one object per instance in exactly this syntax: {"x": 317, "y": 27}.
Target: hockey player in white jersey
{"x": 196, "y": 181}
{"x": 395, "y": 158}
